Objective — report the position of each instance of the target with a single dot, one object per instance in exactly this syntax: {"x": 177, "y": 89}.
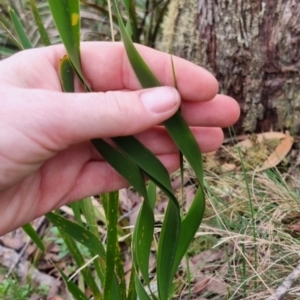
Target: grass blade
{"x": 132, "y": 295}
{"x": 112, "y": 244}
{"x": 67, "y": 81}
{"x": 172, "y": 222}
{"x": 66, "y": 74}
{"x": 72, "y": 287}
{"x": 144, "y": 229}
{"x": 88, "y": 211}
{"x": 142, "y": 294}
{"x": 30, "y": 231}
{"x": 142, "y": 239}
{"x": 123, "y": 165}
{"x": 77, "y": 213}
{"x": 24, "y": 40}
{"x": 187, "y": 144}
{"x": 118, "y": 260}
{"x": 67, "y": 20}
{"x": 129, "y": 168}
{"x": 11, "y": 41}
{"x": 79, "y": 260}
{"x": 148, "y": 162}
{"x": 39, "y": 23}
{"x": 78, "y": 233}
{"x": 131, "y": 26}
{"x": 151, "y": 191}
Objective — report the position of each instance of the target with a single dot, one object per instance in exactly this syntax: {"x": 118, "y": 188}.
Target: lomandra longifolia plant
{"x": 130, "y": 158}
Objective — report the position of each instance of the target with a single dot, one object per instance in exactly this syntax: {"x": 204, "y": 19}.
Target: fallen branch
{"x": 283, "y": 289}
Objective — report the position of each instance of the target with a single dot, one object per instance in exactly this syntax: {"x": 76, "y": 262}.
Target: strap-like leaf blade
{"x": 30, "y": 231}
{"x": 66, "y": 15}
{"x": 23, "y": 37}
{"x": 39, "y": 23}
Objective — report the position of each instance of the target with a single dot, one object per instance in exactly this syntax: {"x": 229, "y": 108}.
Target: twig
{"x": 283, "y": 289}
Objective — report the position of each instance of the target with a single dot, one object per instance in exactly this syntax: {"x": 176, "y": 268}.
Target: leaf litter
{"x": 215, "y": 257}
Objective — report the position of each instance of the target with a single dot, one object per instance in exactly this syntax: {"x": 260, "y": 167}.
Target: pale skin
{"x": 46, "y": 158}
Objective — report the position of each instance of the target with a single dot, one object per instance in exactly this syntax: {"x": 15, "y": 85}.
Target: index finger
{"x": 106, "y": 67}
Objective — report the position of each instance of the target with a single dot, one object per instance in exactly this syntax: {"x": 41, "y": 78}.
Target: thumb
{"x": 80, "y": 117}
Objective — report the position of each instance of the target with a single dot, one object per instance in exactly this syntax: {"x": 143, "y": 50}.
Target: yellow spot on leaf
{"x": 75, "y": 18}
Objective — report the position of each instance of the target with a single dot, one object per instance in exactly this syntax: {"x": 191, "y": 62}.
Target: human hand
{"x": 46, "y": 159}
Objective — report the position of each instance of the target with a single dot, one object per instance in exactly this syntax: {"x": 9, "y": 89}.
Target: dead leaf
{"x": 261, "y": 138}
{"x": 295, "y": 227}
{"x": 217, "y": 287}
{"x": 199, "y": 261}
{"x": 14, "y": 240}
{"x": 201, "y": 286}
{"x": 208, "y": 256}
{"x": 228, "y": 167}
{"x": 279, "y": 154}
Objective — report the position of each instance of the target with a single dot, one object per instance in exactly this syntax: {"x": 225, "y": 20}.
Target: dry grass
{"x": 256, "y": 233}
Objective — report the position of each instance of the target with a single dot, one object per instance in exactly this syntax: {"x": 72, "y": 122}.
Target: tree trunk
{"x": 251, "y": 46}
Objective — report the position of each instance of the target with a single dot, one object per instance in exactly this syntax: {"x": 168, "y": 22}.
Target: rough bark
{"x": 251, "y": 46}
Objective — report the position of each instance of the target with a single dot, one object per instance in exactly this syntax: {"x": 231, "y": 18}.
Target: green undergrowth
{"x": 244, "y": 266}
{"x": 253, "y": 219}
{"x": 249, "y": 238}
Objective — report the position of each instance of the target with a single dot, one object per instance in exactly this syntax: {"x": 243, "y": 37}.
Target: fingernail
{"x": 161, "y": 99}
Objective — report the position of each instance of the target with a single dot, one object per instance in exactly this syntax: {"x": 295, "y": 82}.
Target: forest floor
{"x": 247, "y": 245}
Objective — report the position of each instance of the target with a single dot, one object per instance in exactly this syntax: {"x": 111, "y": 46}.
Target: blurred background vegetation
{"x": 147, "y": 19}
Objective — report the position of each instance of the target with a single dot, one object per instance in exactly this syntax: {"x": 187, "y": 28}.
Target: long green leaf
{"x": 78, "y": 233}
{"x": 142, "y": 294}
{"x": 66, "y": 74}
{"x": 172, "y": 222}
{"x": 72, "y": 287}
{"x": 39, "y": 23}
{"x": 11, "y": 43}
{"x": 144, "y": 231}
{"x": 67, "y": 81}
{"x": 187, "y": 144}
{"x": 142, "y": 239}
{"x": 77, "y": 213}
{"x": 77, "y": 256}
{"x": 148, "y": 162}
{"x": 132, "y": 295}
{"x": 192, "y": 153}
{"x": 30, "y": 231}
{"x": 112, "y": 244}
{"x": 110, "y": 204}
{"x": 88, "y": 211}
{"x": 151, "y": 191}
{"x": 24, "y": 40}
{"x": 67, "y": 20}
{"x": 138, "y": 181}
{"x": 132, "y": 27}
{"x": 110, "y": 155}
{"x": 126, "y": 167}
